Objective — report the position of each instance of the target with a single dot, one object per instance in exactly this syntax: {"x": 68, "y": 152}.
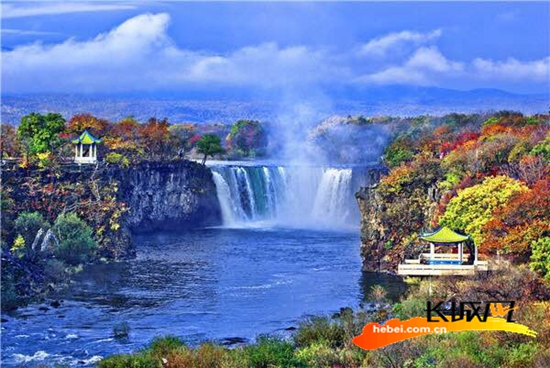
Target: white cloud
{"x": 422, "y": 68}
{"x": 34, "y": 9}
{"x": 512, "y": 69}
{"x": 383, "y": 45}
{"x": 138, "y": 55}
{"x": 25, "y": 32}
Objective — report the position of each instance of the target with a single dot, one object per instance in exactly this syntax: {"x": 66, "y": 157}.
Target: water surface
{"x": 208, "y": 284}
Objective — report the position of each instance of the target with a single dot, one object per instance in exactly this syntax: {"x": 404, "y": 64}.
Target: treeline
{"x": 45, "y": 139}
{"x": 488, "y": 178}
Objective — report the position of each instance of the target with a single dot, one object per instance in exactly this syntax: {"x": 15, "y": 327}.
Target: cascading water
{"x": 296, "y": 196}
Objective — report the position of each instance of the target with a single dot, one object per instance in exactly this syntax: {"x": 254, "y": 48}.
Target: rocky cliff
{"x": 116, "y": 201}
{"x": 390, "y": 223}
{"x": 373, "y": 232}
{"x": 167, "y": 196}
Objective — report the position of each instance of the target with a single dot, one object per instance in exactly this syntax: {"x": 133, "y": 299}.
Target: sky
{"x": 172, "y": 47}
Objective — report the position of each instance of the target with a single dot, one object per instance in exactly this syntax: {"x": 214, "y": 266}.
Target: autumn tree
{"x": 524, "y": 219}
{"x": 473, "y": 207}
{"x": 209, "y": 145}
{"x": 124, "y": 138}
{"x": 156, "y": 138}
{"x": 399, "y": 151}
{"x": 40, "y": 133}
{"x": 247, "y": 137}
{"x": 81, "y": 122}
{"x": 184, "y": 133}
{"x": 9, "y": 145}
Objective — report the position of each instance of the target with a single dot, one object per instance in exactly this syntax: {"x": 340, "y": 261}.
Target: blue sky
{"x": 121, "y": 47}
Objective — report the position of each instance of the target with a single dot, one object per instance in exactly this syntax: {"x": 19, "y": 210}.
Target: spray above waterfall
{"x": 325, "y": 163}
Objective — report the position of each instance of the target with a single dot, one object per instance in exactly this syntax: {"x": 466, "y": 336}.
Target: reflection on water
{"x": 202, "y": 285}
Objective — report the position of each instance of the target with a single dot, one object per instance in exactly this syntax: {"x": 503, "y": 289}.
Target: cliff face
{"x": 373, "y": 232}
{"x": 384, "y": 222}
{"x": 168, "y": 196}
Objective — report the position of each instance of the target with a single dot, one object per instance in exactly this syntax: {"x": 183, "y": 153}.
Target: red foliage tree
{"x": 80, "y": 122}
{"x": 525, "y": 218}
{"x": 156, "y": 138}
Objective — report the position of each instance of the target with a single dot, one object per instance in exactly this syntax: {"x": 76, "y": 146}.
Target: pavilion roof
{"x": 444, "y": 235}
{"x": 86, "y": 138}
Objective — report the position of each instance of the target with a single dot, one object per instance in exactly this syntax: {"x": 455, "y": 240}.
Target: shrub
{"x": 318, "y": 355}
{"x": 319, "y": 329}
{"x": 409, "y": 308}
{"x": 18, "y": 246}
{"x": 205, "y": 356}
{"x": 161, "y": 346}
{"x": 378, "y": 293}
{"x": 76, "y": 244}
{"x": 271, "y": 352}
{"x": 140, "y": 360}
{"x": 28, "y": 224}
{"x": 55, "y": 271}
{"x": 117, "y": 159}
{"x": 10, "y": 300}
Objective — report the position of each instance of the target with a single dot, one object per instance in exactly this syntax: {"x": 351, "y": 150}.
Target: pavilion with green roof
{"x": 446, "y": 237}
{"x": 85, "y": 150}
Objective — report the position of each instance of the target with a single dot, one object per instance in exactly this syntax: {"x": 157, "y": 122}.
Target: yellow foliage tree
{"x": 473, "y": 207}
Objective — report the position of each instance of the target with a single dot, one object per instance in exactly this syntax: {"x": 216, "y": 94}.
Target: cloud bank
{"x": 139, "y": 55}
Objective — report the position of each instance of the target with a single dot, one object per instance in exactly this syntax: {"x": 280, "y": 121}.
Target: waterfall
{"x": 295, "y": 196}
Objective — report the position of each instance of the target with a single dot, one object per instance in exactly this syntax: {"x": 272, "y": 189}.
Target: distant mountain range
{"x": 222, "y": 108}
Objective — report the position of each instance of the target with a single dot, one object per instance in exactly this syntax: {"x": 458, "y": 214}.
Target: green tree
{"x": 473, "y": 207}
{"x": 209, "y": 145}
{"x": 76, "y": 244}
{"x": 40, "y": 133}
{"x": 540, "y": 257}
{"x": 543, "y": 149}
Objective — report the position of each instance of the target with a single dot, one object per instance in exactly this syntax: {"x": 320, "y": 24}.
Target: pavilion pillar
{"x": 432, "y": 251}
{"x": 475, "y": 254}
{"x": 460, "y": 250}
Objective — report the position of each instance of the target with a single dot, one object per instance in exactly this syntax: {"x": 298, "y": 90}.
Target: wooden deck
{"x": 413, "y": 267}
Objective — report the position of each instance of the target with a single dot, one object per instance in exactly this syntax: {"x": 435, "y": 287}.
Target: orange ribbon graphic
{"x": 376, "y": 336}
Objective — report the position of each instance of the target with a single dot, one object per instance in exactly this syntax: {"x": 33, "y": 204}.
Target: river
{"x": 257, "y": 274}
